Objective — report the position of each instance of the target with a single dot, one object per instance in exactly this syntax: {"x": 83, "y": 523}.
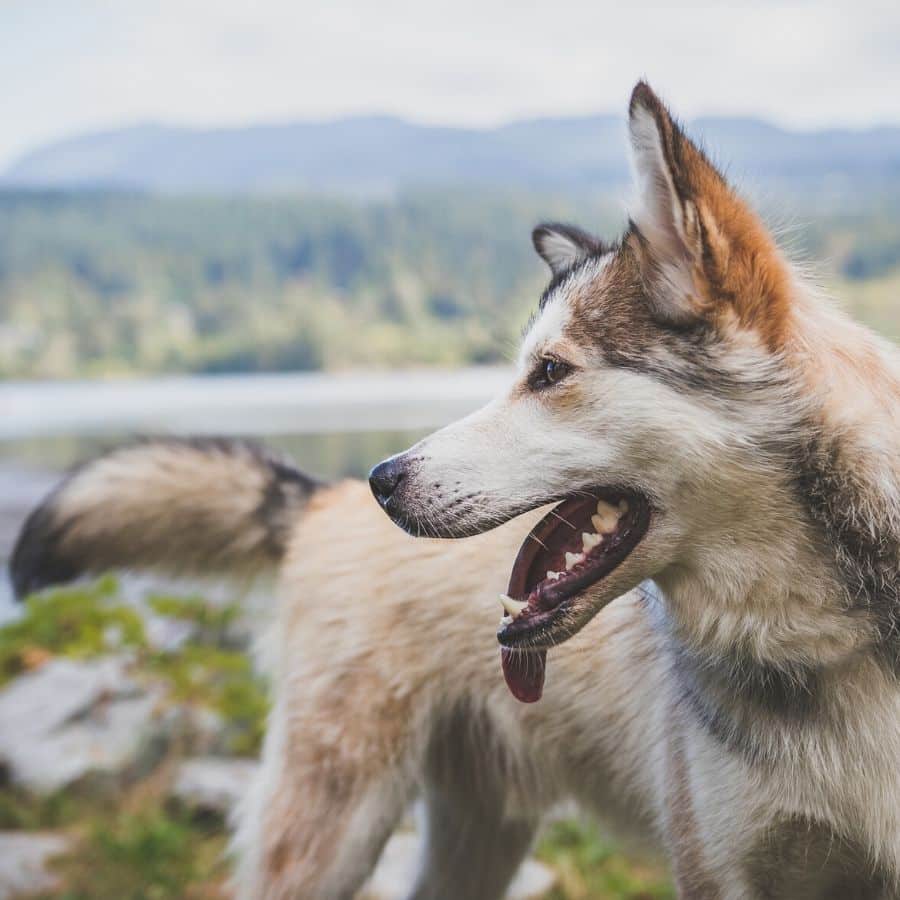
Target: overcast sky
{"x": 68, "y": 66}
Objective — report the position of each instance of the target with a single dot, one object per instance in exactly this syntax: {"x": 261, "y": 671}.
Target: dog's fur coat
{"x": 742, "y": 710}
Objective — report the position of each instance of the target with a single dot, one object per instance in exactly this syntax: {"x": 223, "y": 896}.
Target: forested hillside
{"x": 112, "y": 283}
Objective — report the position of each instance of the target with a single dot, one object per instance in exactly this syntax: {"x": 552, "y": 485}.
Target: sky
{"x": 83, "y": 65}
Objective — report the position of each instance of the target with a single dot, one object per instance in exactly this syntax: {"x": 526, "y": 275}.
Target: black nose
{"x": 385, "y": 478}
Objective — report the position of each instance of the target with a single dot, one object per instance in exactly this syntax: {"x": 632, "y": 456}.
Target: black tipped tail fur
{"x": 173, "y": 505}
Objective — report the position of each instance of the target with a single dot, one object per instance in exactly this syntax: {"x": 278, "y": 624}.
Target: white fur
{"x": 559, "y": 251}
{"x": 658, "y": 212}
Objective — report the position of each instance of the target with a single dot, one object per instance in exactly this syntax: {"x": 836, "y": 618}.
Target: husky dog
{"x": 720, "y": 447}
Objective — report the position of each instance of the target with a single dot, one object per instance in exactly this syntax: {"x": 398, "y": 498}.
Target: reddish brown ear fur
{"x": 735, "y": 266}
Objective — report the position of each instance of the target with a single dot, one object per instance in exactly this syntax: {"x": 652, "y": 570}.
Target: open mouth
{"x": 577, "y": 544}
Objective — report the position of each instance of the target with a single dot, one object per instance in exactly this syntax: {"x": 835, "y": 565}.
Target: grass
{"x": 150, "y": 855}
{"x": 141, "y": 849}
{"x": 591, "y": 868}
{"x": 77, "y": 622}
{"x": 212, "y": 622}
{"x": 21, "y": 811}
{"x": 159, "y": 853}
{"x": 209, "y": 672}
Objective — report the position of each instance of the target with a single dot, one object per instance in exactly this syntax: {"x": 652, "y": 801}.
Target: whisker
{"x": 555, "y": 514}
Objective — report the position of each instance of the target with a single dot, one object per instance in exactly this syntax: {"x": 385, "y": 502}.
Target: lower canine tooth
{"x": 512, "y": 607}
{"x": 589, "y": 541}
{"x": 553, "y": 576}
{"x": 572, "y": 559}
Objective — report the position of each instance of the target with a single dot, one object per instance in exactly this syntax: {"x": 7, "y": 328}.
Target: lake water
{"x": 332, "y": 425}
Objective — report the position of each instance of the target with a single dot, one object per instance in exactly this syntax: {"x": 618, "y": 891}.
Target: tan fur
{"x": 168, "y": 493}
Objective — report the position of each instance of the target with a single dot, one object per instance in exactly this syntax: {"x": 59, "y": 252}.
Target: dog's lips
{"x": 578, "y": 543}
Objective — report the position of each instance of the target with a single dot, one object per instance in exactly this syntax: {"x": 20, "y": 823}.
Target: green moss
{"x": 87, "y": 621}
{"x": 79, "y": 622}
{"x": 213, "y": 621}
{"x": 222, "y": 680}
{"x": 207, "y": 671}
{"x": 20, "y": 810}
{"x": 151, "y": 855}
{"x": 590, "y": 868}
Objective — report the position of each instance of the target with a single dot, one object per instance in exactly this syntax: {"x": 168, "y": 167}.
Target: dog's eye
{"x": 553, "y": 371}
{"x": 549, "y": 371}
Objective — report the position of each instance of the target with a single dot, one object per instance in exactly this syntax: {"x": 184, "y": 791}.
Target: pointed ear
{"x": 562, "y": 246}
{"x": 702, "y": 248}
{"x": 666, "y": 214}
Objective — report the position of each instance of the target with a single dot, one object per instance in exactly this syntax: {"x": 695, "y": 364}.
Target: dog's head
{"x": 644, "y": 394}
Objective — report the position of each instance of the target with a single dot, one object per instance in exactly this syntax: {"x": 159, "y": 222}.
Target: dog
{"x": 696, "y": 444}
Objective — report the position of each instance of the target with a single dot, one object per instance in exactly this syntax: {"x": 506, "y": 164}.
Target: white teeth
{"x": 606, "y": 509}
{"x": 512, "y": 607}
{"x": 589, "y": 541}
{"x": 572, "y": 559}
{"x": 553, "y": 576}
{"x": 606, "y": 519}
{"x": 605, "y": 524}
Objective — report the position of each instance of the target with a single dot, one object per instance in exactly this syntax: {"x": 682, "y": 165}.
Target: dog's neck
{"x": 756, "y": 582}
{"x": 794, "y": 575}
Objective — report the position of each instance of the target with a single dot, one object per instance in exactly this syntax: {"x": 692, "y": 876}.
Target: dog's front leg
{"x": 477, "y": 829}
{"x": 472, "y": 851}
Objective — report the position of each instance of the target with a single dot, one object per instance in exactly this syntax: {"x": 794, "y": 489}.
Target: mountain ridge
{"x": 376, "y": 153}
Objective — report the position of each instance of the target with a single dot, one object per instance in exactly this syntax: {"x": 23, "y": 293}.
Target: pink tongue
{"x": 524, "y": 673}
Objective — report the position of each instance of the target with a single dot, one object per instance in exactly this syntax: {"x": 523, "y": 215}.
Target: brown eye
{"x": 553, "y": 371}
{"x": 550, "y": 372}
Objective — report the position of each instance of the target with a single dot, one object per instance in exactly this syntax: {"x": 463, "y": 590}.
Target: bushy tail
{"x": 173, "y": 505}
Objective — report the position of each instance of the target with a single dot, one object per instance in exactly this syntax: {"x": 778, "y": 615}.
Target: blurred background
{"x": 309, "y": 223}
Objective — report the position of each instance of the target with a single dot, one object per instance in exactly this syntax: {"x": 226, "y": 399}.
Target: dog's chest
{"x": 803, "y": 860}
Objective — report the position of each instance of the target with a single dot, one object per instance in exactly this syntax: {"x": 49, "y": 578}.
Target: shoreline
{"x": 286, "y": 403}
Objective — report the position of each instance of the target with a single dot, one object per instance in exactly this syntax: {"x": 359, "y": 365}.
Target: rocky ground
{"x": 130, "y": 720}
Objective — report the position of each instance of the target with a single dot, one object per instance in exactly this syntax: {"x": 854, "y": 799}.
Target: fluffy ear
{"x": 702, "y": 248}
{"x": 665, "y": 213}
{"x": 562, "y": 246}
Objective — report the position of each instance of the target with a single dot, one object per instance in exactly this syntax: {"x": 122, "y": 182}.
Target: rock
{"x": 45, "y": 699}
{"x": 169, "y": 633}
{"x": 23, "y": 862}
{"x": 164, "y": 633}
{"x": 533, "y": 880}
{"x": 201, "y": 730}
{"x": 68, "y": 719}
{"x": 399, "y": 864}
{"x": 212, "y": 784}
